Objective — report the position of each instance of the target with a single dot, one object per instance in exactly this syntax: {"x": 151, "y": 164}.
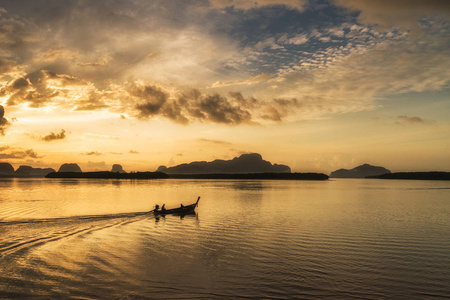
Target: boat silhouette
{"x": 179, "y": 210}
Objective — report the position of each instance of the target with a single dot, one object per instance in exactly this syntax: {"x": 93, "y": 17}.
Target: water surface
{"x": 339, "y": 239}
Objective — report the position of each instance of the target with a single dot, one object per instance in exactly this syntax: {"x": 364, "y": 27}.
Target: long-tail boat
{"x": 179, "y": 210}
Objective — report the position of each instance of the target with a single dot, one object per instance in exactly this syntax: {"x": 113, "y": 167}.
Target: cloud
{"x": 402, "y": 13}
{"x": 54, "y": 136}
{"x": 17, "y": 154}
{"x": 297, "y": 39}
{"x": 150, "y": 99}
{"x": 353, "y": 78}
{"x": 116, "y": 153}
{"x": 181, "y": 60}
{"x": 101, "y": 136}
{"x": 248, "y": 81}
{"x": 55, "y": 53}
{"x": 96, "y": 100}
{"x": 249, "y": 4}
{"x": 7, "y": 66}
{"x": 271, "y": 113}
{"x": 187, "y": 106}
{"x": 133, "y": 152}
{"x": 410, "y": 120}
{"x": 98, "y": 165}
{"x": 214, "y": 108}
{"x": 278, "y": 109}
{"x": 94, "y": 153}
{"x": 43, "y": 87}
{"x": 216, "y": 142}
{"x": 4, "y": 123}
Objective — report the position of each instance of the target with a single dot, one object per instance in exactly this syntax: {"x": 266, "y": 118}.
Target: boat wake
{"x": 75, "y": 218}
{"x": 21, "y": 235}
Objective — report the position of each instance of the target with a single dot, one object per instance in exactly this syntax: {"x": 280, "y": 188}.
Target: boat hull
{"x": 188, "y": 209}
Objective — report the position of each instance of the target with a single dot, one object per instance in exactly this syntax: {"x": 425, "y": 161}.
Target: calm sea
{"x": 255, "y": 239}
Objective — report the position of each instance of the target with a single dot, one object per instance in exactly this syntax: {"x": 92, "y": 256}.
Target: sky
{"x": 318, "y": 85}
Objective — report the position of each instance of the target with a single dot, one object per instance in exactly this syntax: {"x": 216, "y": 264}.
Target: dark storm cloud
{"x": 4, "y": 123}
{"x": 190, "y": 106}
{"x": 54, "y": 136}
{"x": 218, "y": 109}
{"x": 153, "y": 100}
{"x": 174, "y": 112}
{"x": 214, "y": 108}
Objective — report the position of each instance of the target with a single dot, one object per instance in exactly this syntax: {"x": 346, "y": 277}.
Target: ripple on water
{"x": 313, "y": 246}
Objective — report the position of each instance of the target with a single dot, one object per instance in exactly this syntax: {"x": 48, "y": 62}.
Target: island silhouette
{"x": 361, "y": 171}
{"x": 7, "y": 170}
{"x": 72, "y": 167}
{"x": 116, "y": 168}
{"x": 435, "y": 175}
{"x": 244, "y": 164}
{"x": 27, "y": 171}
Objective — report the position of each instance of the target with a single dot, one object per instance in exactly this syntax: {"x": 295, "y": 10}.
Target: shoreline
{"x": 435, "y": 175}
{"x": 161, "y": 175}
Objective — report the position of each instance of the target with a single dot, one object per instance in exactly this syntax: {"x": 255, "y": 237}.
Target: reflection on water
{"x": 344, "y": 239}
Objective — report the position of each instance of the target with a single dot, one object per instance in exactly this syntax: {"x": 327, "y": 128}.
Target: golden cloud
{"x": 249, "y": 81}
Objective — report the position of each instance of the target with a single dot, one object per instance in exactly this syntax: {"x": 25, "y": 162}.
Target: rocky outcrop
{"x": 245, "y": 164}
{"x": 6, "y": 169}
{"x": 32, "y": 172}
{"x": 69, "y": 168}
{"x": 116, "y": 168}
{"x": 361, "y": 171}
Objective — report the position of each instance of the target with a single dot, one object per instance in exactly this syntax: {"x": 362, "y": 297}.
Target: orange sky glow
{"x": 317, "y": 85}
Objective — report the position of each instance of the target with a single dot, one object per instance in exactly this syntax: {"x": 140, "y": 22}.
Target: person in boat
{"x": 163, "y": 208}
{"x": 181, "y": 206}
{"x": 156, "y": 207}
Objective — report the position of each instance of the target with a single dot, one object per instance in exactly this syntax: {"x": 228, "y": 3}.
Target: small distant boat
{"x": 179, "y": 211}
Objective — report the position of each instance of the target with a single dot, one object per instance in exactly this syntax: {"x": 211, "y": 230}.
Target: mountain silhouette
{"x": 109, "y": 175}
{"x": 69, "y": 168}
{"x": 6, "y": 169}
{"x": 33, "y": 172}
{"x": 359, "y": 172}
{"x": 246, "y": 163}
{"x": 116, "y": 168}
